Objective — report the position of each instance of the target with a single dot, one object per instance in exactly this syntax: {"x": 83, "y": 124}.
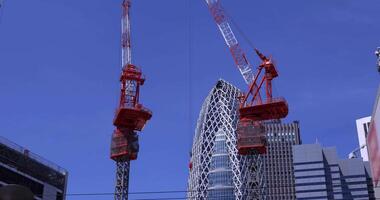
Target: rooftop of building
{"x": 21, "y": 159}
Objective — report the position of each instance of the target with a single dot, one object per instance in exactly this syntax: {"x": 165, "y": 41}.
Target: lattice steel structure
{"x": 217, "y": 171}
{"x": 122, "y": 180}
{"x": 130, "y": 116}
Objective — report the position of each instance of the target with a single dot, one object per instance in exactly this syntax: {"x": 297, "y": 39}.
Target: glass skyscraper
{"x": 215, "y": 171}
{"x": 220, "y": 174}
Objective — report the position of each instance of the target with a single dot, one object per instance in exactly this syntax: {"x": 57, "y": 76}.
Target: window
{"x": 366, "y": 127}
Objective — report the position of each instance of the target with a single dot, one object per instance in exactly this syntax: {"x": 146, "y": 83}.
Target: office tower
{"x": 19, "y": 166}
{"x": 215, "y": 171}
{"x": 278, "y": 162}
{"x": 319, "y": 174}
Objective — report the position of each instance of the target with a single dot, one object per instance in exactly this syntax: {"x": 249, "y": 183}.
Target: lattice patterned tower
{"x": 216, "y": 169}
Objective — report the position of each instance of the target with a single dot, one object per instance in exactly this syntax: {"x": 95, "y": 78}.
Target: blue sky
{"x": 60, "y": 64}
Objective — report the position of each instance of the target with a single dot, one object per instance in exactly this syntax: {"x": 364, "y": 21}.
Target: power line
{"x": 185, "y": 191}
{"x": 190, "y": 197}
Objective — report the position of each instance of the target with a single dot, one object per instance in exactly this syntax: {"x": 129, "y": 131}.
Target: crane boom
{"x": 237, "y": 52}
{"x": 126, "y": 34}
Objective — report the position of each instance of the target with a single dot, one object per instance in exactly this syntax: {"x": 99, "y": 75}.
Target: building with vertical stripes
{"x": 278, "y": 162}
{"x": 319, "y": 174}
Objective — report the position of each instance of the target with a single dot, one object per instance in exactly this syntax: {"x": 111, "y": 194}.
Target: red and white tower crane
{"x": 131, "y": 116}
{"x": 251, "y": 135}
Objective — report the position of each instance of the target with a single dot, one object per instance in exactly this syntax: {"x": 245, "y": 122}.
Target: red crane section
{"x": 270, "y": 108}
{"x": 250, "y": 130}
{"x": 130, "y": 116}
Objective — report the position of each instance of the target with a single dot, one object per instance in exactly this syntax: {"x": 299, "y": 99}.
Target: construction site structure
{"x": 253, "y": 110}
{"x": 130, "y": 116}
{"x": 251, "y": 113}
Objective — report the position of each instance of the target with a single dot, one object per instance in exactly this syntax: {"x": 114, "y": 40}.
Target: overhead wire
{"x": 190, "y": 82}
{"x": 187, "y": 192}
{"x": 188, "y": 197}
{"x": 247, "y": 40}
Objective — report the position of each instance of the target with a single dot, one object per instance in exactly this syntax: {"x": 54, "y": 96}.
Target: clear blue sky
{"x": 60, "y": 64}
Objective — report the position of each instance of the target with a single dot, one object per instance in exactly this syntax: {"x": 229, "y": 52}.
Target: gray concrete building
{"x": 319, "y": 174}
{"x": 278, "y": 162}
{"x": 46, "y": 180}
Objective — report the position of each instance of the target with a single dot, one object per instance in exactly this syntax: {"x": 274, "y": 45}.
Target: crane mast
{"x": 130, "y": 116}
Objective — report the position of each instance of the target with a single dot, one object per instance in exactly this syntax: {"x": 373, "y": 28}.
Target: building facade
{"x": 319, "y": 174}
{"x": 278, "y": 162}
{"x": 362, "y": 126}
{"x": 373, "y": 143}
{"x": 215, "y": 171}
{"x": 18, "y": 166}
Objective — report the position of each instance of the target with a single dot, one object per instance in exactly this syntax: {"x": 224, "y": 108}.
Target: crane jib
{"x": 225, "y": 29}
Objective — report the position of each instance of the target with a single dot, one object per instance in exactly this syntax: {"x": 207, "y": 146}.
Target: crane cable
{"x": 250, "y": 43}
{"x": 239, "y": 30}
{"x": 190, "y": 87}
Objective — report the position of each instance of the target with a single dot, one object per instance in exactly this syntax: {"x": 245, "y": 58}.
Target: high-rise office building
{"x": 278, "y": 162}
{"x": 362, "y": 126}
{"x": 319, "y": 174}
{"x": 373, "y": 143}
{"x": 215, "y": 171}
{"x": 19, "y": 166}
